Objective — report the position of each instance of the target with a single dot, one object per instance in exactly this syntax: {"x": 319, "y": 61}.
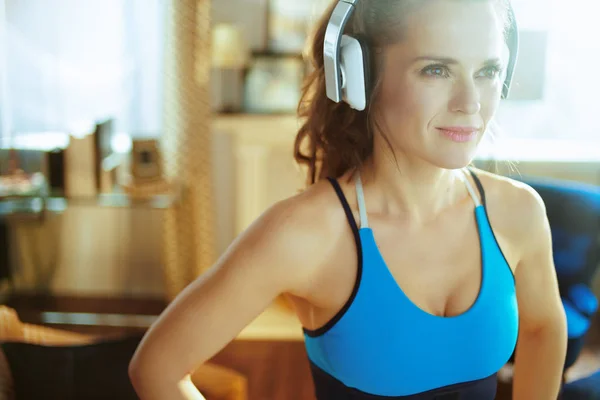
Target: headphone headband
{"x": 331, "y": 48}
{"x": 512, "y": 41}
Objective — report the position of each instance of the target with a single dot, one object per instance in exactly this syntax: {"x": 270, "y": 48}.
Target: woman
{"x": 404, "y": 289}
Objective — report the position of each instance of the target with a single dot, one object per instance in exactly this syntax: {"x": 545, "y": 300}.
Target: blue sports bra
{"x": 381, "y": 345}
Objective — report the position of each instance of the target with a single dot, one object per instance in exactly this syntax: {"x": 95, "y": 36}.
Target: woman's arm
{"x": 542, "y": 344}
{"x": 275, "y": 255}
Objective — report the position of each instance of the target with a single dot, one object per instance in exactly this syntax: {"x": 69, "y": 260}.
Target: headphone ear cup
{"x": 355, "y": 65}
{"x": 367, "y": 65}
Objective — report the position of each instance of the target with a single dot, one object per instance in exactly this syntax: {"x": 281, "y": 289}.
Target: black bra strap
{"x": 344, "y": 201}
{"x": 479, "y": 185}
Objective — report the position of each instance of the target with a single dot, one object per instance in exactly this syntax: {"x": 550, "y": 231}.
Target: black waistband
{"x": 328, "y": 387}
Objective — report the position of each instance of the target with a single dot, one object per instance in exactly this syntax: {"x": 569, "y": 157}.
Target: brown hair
{"x": 334, "y": 138}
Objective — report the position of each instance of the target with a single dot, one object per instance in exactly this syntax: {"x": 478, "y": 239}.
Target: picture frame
{"x": 146, "y": 164}
{"x": 274, "y": 83}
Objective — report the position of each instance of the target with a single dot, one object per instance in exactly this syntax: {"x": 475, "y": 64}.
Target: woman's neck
{"x": 411, "y": 187}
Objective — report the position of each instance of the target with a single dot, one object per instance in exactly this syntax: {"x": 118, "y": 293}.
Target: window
{"x": 562, "y": 124}
{"x": 69, "y": 63}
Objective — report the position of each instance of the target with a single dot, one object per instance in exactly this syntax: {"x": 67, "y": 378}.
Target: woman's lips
{"x": 460, "y": 134}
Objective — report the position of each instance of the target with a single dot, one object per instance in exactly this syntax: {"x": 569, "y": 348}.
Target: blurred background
{"x": 138, "y": 138}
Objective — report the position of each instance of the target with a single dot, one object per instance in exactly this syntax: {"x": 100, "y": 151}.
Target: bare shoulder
{"x": 298, "y": 234}
{"x": 516, "y": 211}
{"x": 511, "y": 193}
{"x": 306, "y": 217}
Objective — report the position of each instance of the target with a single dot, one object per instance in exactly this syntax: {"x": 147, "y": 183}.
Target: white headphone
{"x": 347, "y": 59}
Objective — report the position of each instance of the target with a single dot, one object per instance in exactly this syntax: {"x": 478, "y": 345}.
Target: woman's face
{"x": 447, "y": 72}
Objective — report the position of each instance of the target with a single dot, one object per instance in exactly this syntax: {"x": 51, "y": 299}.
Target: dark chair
{"x": 573, "y": 211}
{"x": 85, "y": 371}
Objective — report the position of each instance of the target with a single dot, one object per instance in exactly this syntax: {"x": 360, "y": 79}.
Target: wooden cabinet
{"x": 263, "y": 170}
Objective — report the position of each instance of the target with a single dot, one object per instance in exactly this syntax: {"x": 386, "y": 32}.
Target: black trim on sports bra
{"x": 479, "y": 185}
{"x": 322, "y": 330}
{"x": 345, "y": 204}
{"x": 482, "y": 193}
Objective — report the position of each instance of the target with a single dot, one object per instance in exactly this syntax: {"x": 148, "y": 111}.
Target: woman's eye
{"x": 436, "y": 71}
{"x": 490, "y": 72}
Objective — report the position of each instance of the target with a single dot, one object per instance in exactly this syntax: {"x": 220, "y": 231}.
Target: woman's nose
{"x": 466, "y": 99}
